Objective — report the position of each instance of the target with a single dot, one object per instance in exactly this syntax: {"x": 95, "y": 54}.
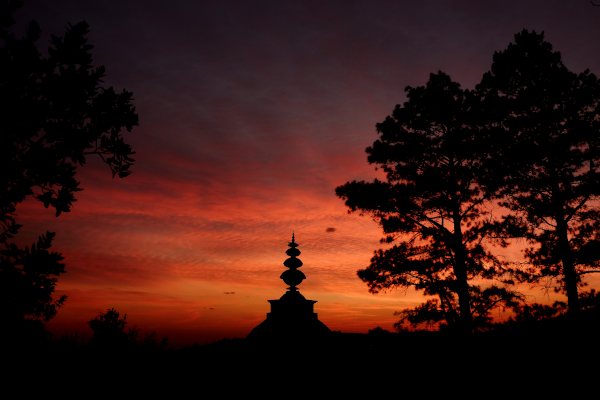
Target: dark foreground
{"x": 554, "y": 358}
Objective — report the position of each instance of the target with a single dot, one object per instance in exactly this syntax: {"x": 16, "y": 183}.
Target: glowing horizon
{"x": 202, "y": 275}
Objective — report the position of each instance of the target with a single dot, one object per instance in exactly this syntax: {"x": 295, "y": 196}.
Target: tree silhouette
{"x": 27, "y": 282}
{"x": 54, "y": 114}
{"x": 432, "y": 205}
{"x": 108, "y": 330}
{"x": 545, "y": 123}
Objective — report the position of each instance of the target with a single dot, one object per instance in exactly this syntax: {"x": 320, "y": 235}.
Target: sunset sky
{"x": 251, "y": 113}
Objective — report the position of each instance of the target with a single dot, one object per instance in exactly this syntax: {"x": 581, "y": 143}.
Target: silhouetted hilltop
{"x": 526, "y": 351}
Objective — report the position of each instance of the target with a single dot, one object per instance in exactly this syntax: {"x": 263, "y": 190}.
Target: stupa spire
{"x": 293, "y": 277}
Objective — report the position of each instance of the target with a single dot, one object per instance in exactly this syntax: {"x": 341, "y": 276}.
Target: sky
{"x": 251, "y": 113}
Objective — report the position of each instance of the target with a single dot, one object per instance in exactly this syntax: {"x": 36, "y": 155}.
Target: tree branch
{"x": 437, "y": 224}
{"x": 581, "y": 203}
{"x": 592, "y": 271}
{"x": 471, "y": 207}
{"x": 547, "y": 223}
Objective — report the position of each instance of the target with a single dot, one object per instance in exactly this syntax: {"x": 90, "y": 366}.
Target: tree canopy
{"x": 515, "y": 157}
{"x": 55, "y": 112}
{"x": 548, "y": 121}
{"x": 108, "y": 330}
{"x": 433, "y": 206}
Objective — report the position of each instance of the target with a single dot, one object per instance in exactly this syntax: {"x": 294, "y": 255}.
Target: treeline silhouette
{"x": 517, "y": 359}
{"x": 469, "y": 171}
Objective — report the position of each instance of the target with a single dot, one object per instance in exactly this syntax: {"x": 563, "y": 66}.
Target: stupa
{"x": 292, "y": 315}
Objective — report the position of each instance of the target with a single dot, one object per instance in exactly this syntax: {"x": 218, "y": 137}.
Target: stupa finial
{"x": 292, "y": 276}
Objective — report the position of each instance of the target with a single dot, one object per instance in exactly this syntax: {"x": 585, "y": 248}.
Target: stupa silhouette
{"x": 292, "y": 315}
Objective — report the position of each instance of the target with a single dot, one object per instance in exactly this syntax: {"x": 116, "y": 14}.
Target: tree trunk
{"x": 568, "y": 266}
{"x": 460, "y": 271}
{"x": 565, "y": 253}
